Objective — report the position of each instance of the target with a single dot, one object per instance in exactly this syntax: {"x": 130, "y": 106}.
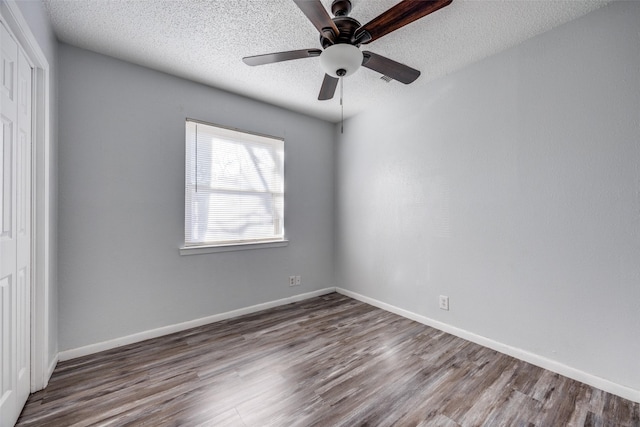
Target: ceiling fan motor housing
{"x": 341, "y": 56}
{"x": 347, "y": 27}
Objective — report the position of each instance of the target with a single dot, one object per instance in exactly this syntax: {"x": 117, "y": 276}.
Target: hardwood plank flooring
{"x": 327, "y": 361}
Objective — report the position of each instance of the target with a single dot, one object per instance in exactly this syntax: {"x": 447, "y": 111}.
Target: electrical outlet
{"x": 444, "y": 302}
{"x": 298, "y": 280}
{"x": 292, "y": 280}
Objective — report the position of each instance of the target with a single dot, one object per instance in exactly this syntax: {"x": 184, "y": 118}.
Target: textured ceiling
{"x": 204, "y": 41}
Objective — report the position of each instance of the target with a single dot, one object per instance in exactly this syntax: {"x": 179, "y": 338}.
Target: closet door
{"x": 15, "y": 228}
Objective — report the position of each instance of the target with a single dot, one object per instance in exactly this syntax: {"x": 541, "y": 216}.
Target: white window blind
{"x": 234, "y": 186}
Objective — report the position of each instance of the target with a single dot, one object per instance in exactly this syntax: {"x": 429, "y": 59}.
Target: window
{"x": 234, "y": 187}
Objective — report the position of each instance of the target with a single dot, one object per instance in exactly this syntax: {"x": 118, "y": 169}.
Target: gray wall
{"x": 37, "y": 19}
{"x": 122, "y": 203}
{"x": 513, "y": 187}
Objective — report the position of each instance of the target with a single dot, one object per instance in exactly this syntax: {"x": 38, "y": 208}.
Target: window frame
{"x": 226, "y": 246}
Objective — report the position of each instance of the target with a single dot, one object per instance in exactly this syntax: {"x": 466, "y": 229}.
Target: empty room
{"x": 320, "y": 213}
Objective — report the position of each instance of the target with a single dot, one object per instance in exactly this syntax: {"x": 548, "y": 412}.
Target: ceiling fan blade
{"x": 328, "y": 89}
{"x": 389, "y": 67}
{"x": 398, "y": 16}
{"x": 319, "y": 17}
{"x": 270, "y": 58}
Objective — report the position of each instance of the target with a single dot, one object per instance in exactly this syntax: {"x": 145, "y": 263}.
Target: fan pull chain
{"x": 196, "y": 144}
{"x": 341, "y": 105}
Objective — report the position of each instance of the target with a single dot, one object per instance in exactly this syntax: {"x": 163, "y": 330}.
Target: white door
{"x": 15, "y": 228}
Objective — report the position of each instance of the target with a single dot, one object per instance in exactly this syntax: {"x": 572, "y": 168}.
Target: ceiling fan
{"x": 342, "y": 36}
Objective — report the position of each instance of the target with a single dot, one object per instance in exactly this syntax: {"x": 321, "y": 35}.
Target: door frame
{"x": 42, "y": 363}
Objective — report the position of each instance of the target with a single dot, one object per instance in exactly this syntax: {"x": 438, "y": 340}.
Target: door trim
{"x": 42, "y": 363}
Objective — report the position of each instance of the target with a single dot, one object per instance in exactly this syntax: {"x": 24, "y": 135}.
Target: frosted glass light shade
{"x": 341, "y": 57}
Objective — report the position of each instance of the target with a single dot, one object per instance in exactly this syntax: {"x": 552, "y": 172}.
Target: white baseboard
{"x": 534, "y": 359}
{"x": 165, "y": 330}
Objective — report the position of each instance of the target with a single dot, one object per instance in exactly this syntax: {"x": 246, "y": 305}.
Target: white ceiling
{"x": 205, "y": 41}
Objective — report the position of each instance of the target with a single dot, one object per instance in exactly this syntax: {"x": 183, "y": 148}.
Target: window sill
{"x": 198, "y": 250}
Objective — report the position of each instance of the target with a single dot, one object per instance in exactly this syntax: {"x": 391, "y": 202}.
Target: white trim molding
{"x": 41, "y": 215}
{"x": 170, "y": 329}
{"x": 534, "y": 359}
{"x": 210, "y": 249}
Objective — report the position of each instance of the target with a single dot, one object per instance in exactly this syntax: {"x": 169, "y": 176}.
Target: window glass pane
{"x": 230, "y": 216}
{"x": 230, "y": 165}
{"x": 234, "y": 186}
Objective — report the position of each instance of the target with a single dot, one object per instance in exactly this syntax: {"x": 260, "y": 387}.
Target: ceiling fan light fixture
{"x": 341, "y": 60}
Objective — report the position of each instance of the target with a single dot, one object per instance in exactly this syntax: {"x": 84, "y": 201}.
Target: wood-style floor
{"x": 327, "y": 361}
